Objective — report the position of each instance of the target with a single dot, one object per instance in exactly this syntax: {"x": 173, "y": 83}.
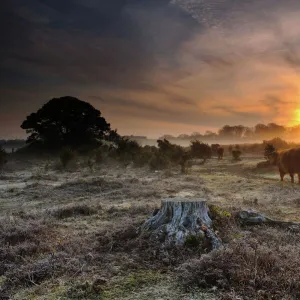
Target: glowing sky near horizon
{"x": 153, "y": 66}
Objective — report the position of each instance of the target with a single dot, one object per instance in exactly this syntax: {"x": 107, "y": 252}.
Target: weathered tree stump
{"x": 180, "y": 219}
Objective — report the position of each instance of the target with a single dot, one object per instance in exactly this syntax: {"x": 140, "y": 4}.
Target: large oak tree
{"x": 66, "y": 121}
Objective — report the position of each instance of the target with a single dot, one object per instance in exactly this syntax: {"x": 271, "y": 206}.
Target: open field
{"x": 72, "y": 235}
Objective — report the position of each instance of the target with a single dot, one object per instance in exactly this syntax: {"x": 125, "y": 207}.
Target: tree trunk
{"x": 180, "y": 220}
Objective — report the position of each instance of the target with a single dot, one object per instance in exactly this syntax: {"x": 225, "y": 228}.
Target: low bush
{"x": 250, "y": 268}
{"x": 277, "y": 143}
{"x": 126, "y": 149}
{"x": 269, "y": 149}
{"x": 236, "y": 154}
{"x": 200, "y": 150}
{"x": 159, "y": 161}
{"x": 176, "y": 154}
{"x": 142, "y": 158}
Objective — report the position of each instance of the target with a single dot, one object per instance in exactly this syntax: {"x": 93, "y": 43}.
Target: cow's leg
{"x": 298, "y": 178}
{"x": 292, "y": 177}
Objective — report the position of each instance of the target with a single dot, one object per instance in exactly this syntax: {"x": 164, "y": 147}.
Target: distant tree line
{"x": 68, "y": 121}
{"x": 241, "y": 132}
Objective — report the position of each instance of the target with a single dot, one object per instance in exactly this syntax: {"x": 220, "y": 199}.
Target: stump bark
{"x": 180, "y": 219}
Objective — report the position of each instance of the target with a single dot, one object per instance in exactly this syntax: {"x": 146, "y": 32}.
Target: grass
{"x": 73, "y": 211}
{"x": 131, "y": 283}
{"x": 58, "y": 241}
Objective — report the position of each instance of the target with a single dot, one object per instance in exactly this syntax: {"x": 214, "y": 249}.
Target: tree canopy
{"x": 66, "y": 121}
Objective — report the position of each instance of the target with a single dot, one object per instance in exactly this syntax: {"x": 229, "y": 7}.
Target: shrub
{"x": 236, "y": 154}
{"x": 278, "y": 143}
{"x": 175, "y": 153}
{"x": 126, "y": 149}
{"x": 269, "y": 149}
{"x": 159, "y": 161}
{"x": 183, "y": 162}
{"x": 3, "y": 157}
{"x": 66, "y": 156}
{"x": 249, "y": 268}
{"x": 200, "y": 150}
{"x": 143, "y": 157}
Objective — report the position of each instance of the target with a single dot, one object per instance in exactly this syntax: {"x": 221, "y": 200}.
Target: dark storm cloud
{"x": 102, "y": 42}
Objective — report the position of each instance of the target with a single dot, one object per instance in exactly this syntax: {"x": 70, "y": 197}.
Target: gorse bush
{"x": 278, "y": 143}
{"x": 200, "y": 150}
{"x": 176, "y": 154}
{"x": 269, "y": 149}
{"x": 236, "y": 154}
{"x": 159, "y": 161}
{"x": 143, "y": 157}
{"x": 67, "y": 155}
{"x": 126, "y": 149}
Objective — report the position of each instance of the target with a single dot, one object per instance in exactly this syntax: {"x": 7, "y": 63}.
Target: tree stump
{"x": 180, "y": 220}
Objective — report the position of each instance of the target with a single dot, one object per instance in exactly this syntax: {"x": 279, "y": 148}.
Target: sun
{"x": 296, "y": 116}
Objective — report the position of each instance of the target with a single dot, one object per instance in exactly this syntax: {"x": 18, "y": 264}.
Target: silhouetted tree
{"x": 210, "y": 135}
{"x": 270, "y": 130}
{"x": 66, "y": 121}
{"x": 233, "y": 132}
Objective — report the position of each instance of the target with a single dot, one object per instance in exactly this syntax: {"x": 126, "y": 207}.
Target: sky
{"x": 153, "y": 67}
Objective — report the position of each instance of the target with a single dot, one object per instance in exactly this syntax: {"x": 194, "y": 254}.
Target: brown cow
{"x": 220, "y": 152}
{"x": 288, "y": 162}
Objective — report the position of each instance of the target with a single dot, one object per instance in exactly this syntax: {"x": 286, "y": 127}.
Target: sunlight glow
{"x": 297, "y": 116}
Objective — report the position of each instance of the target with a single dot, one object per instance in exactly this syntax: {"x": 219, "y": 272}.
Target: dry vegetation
{"x": 71, "y": 232}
